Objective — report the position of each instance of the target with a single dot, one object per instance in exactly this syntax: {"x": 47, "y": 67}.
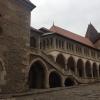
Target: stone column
{"x": 92, "y": 71}
{"x": 76, "y": 72}
{"x": 63, "y": 82}
{"x": 64, "y": 45}
{"x": 47, "y": 81}
{"x": 66, "y": 67}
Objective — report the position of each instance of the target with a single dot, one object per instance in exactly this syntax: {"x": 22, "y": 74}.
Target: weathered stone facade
{"x": 44, "y": 58}
{"x": 14, "y": 42}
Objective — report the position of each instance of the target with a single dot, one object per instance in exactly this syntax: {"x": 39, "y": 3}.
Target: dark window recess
{"x": 0, "y": 15}
{"x": 1, "y": 30}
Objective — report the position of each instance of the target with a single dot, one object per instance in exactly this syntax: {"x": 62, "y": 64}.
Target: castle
{"x": 43, "y": 58}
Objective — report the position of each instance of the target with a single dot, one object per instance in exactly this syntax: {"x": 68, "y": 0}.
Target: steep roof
{"x": 71, "y": 35}
{"x": 92, "y": 34}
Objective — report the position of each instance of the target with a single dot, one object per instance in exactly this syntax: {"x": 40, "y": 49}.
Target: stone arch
{"x": 33, "y": 42}
{"x": 88, "y": 69}
{"x": 60, "y": 60}
{"x": 54, "y": 80}
{"x": 71, "y": 64}
{"x": 69, "y": 82}
{"x": 94, "y": 70}
{"x": 37, "y": 74}
{"x": 80, "y": 68}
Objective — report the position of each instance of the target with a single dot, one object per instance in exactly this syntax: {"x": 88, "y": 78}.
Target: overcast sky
{"x": 73, "y": 15}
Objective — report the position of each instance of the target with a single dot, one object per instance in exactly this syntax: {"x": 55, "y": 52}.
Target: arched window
{"x": 95, "y": 72}
{"x": 71, "y": 64}
{"x": 1, "y": 30}
{"x": 60, "y": 60}
{"x": 88, "y": 69}
{"x": 80, "y": 68}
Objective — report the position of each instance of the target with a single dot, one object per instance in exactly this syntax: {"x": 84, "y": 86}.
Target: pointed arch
{"x": 80, "y": 68}
{"x": 95, "y": 71}
{"x": 71, "y": 64}
{"x": 60, "y": 60}
{"x": 88, "y": 69}
{"x": 37, "y": 75}
{"x": 54, "y": 80}
{"x": 69, "y": 82}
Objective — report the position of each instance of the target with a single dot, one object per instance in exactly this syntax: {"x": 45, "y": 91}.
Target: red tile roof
{"x": 71, "y": 35}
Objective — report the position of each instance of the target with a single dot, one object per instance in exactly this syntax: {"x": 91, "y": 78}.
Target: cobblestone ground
{"x": 84, "y": 92}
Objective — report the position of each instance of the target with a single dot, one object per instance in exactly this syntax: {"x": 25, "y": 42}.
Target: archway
{"x": 54, "y": 80}
{"x": 60, "y": 60}
{"x": 36, "y": 79}
{"x": 69, "y": 82}
{"x": 71, "y": 64}
{"x": 88, "y": 69}
{"x": 95, "y": 72}
{"x": 80, "y": 68}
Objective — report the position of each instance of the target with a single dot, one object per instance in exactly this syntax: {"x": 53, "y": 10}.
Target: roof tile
{"x": 71, "y": 35}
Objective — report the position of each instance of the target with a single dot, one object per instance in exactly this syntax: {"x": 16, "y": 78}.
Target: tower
{"x": 92, "y": 33}
{"x": 14, "y": 42}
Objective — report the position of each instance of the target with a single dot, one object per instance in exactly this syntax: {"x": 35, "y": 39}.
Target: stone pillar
{"x": 66, "y": 67}
{"x": 63, "y": 82}
{"x": 92, "y": 71}
{"x": 47, "y": 81}
{"x": 64, "y": 45}
{"x": 76, "y": 72}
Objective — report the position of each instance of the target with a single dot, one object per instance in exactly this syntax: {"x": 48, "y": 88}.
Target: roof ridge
{"x": 68, "y": 31}
{"x": 71, "y": 35}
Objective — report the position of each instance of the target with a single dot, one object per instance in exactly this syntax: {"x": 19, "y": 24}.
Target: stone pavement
{"x": 83, "y": 92}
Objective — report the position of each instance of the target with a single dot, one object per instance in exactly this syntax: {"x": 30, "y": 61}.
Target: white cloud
{"x": 73, "y": 15}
